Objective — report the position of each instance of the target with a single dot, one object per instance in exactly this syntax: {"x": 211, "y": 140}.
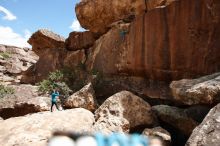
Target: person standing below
{"x": 54, "y": 97}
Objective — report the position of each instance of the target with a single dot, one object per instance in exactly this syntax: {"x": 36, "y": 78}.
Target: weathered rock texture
{"x": 208, "y": 132}
{"x": 13, "y": 61}
{"x": 52, "y": 56}
{"x": 143, "y": 87}
{"x": 176, "y": 117}
{"x": 174, "y": 42}
{"x": 97, "y": 15}
{"x": 45, "y": 39}
{"x": 24, "y": 101}
{"x": 160, "y": 133}
{"x": 85, "y": 98}
{"x": 80, "y": 40}
{"x": 36, "y": 129}
{"x": 122, "y": 112}
{"x": 204, "y": 90}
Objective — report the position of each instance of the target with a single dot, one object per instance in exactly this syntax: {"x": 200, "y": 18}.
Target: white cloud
{"x": 9, "y": 37}
{"x": 8, "y": 15}
{"x": 76, "y": 26}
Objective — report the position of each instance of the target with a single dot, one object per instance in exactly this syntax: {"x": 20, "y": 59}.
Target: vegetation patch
{"x": 55, "y": 80}
{"x": 65, "y": 80}
{"x": 5, "y": 55}
{"x": 4, "y": 91}
{"x": 68, "y": 80}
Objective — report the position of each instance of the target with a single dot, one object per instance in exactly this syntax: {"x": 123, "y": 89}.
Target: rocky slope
{"x": 14, "y": 61}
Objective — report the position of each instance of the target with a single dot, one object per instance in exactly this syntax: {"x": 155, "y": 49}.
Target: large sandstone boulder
{"x": 80, "y": 40}
{"x": 175, "y": 117}
{"x": 45, "y": 39}
{"x": 85, "y": 98}
{"x": 24, "y": 101}
{"x": 204, "y": 90}
{"x": 36, "y": 129}
{"x": 52, "y": 56}
{"x": 56, "y": 60}
{"x": 97, "y": 15}
{"x": 160, "y": 44}
{"x": 208, "y": 132}
{"x": 122, "y": 112}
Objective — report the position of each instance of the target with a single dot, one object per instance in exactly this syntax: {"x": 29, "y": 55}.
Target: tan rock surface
{"x": 123, "y": 111}
{"x": 56, "y": 59}
{"x": 204, "y": 90}
{"x": 80, "y": 40}
{"x": 97, "y": 15}
{"x": 13, "y": 61}
{"x": 24, "y": 101}
{"x": 46, "y": 39}
{"x": 85, "y": 98}
{"x": 52, "y": 56}
{"x": 208, "y": 132}
{"x": 36, "y": 129}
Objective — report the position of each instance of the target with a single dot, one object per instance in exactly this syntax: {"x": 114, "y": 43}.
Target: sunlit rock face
{"x": 53, "y": 55}
{"x": 178, "y": 41}
{"x": 80, "y": 40}
{"x": 98, "y": 15}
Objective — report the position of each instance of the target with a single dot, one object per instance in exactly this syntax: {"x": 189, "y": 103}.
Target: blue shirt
{"x": 54, "y": 95}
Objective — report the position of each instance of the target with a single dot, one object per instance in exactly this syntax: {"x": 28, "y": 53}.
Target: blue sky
{"x": 20, "y": 18}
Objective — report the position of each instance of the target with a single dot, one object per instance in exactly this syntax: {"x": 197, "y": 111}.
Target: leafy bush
{"x": 5, "y": 55}
{"x": 69, "y": 80}
{"x": 45, "y": 86}
{"x": 66, "y": 80}
{"x": 54, "y": 81}
{"x": 4, "y": 91}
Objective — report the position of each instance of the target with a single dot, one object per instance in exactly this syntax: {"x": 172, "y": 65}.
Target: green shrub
{"x": 4, "y": 91}
{"x": 45, "y": 86}
{"x": 5, "y": 55}
{"x": 68, "y": 80}
{"x": 56, "y": 76}
{"x": 55, "y": 80}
